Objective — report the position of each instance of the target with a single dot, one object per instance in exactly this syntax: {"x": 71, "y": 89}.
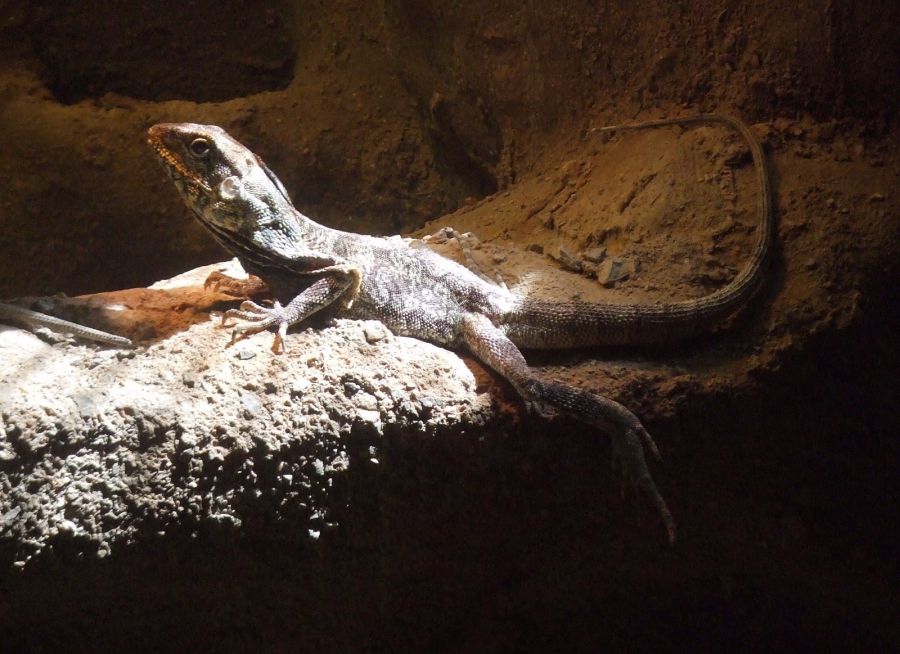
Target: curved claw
{"x": 628, "y": 459}
{"x": 279, "y": 338}
{"x": 257, "y": 318}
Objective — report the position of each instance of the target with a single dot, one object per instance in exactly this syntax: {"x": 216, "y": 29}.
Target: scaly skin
{"x": 418, "y": 293}
{"x": 34, "y": 318}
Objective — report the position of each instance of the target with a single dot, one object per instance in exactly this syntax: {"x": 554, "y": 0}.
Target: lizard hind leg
{"x": 628, "y": 436}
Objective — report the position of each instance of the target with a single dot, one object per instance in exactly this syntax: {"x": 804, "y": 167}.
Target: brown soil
{"x": 779, "y": 431}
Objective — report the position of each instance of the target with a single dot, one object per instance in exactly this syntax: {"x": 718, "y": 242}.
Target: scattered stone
{"x": 188, "y": 440}
{"x": 365, "y": 401}
{"x": 299, "y": 386}
{"x": 565, "y": 258}
{"x": 781, "y": 124}
{"x": 189, "y": 379}
{"x": 87, "y": 404}
{"x": 244, "y": 354}
{"x": 9, "y": 517}
{"x": 737, "y": 154}
{"x": 67, "y": 527}
{"x": 806, "y": 151}
{"x": 253, "y": 407}
{"x": 441, "y": 236}
{"x": 876, "y": 197}
{"x": 374, "y": 332}
{"x": 594, "y": 255}
{"x": 726, "y": 225}
{"x": 468, "y": 240}
{"x": 614, "y": 269}
{"x": 49, "y": 336}
{"x": 369, "y": 416}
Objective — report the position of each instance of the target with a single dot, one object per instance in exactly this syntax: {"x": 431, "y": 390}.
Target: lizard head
{"x": 225, "y": 184}
{"x": 195, "y": 156}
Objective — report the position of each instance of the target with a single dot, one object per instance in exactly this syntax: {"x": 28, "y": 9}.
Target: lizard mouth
{"x": 173, "y": 164}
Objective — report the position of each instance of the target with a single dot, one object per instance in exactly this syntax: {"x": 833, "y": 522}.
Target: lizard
{"x": 416, "y": 292}
{"x": 35, "y": 318}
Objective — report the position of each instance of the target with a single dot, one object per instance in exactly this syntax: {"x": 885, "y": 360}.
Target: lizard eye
{"x": 199, "y": 148}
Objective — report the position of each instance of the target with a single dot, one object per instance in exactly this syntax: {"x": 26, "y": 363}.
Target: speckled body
{"x": 418, "y": 293}
{"x": 431, "y": 297}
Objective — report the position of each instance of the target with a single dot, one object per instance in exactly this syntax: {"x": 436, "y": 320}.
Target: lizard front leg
{"x": 337, "y": 282}
{"x": 629, "y": 438}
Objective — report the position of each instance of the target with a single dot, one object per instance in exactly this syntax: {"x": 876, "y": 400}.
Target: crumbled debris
{"x": 615, "y": 269}
{"x": 565, "y": 258}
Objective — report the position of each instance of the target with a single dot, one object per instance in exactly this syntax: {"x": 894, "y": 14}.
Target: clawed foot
{"x": 628, "y": 436}
{"x": 257, "y": 318}
{"x": 628, "y": 457}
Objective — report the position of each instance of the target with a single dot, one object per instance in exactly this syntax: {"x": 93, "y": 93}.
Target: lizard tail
{"x": 551, "y": 325}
